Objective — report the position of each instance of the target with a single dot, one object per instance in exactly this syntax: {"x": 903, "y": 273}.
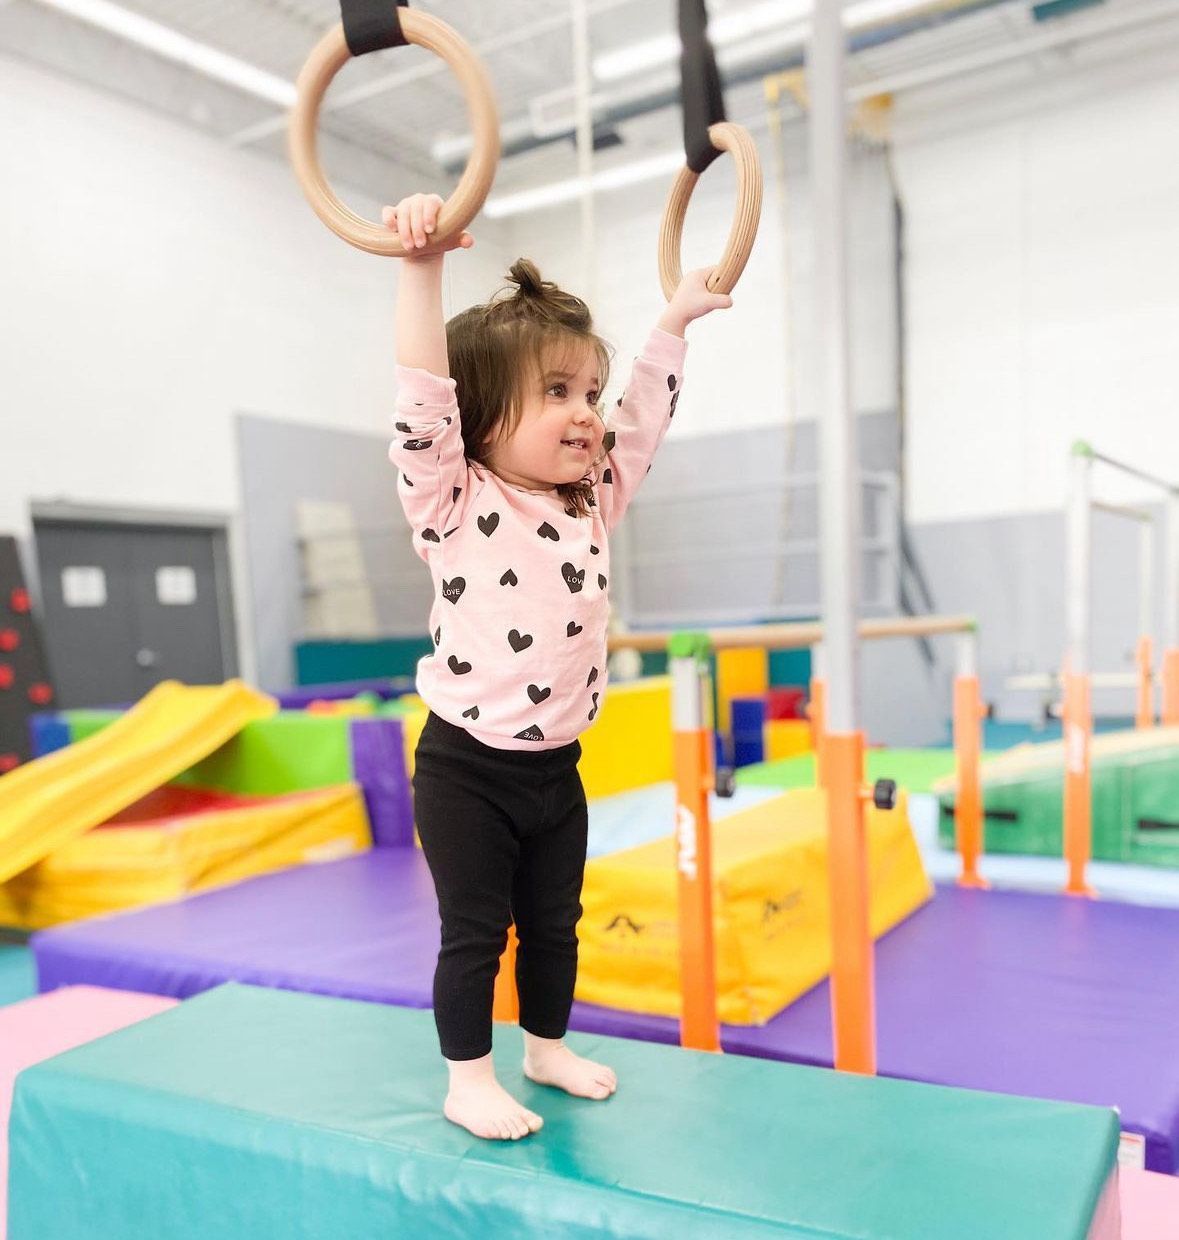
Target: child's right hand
{"x": 414, "y": 219}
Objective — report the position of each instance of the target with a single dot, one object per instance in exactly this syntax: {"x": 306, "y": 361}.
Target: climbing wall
{"x": 24, "y": 676}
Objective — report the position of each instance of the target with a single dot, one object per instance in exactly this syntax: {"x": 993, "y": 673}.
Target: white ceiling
{"x": 527, "y": 47}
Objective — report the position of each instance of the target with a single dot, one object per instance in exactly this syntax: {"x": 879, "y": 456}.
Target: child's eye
{"x": 558, "y": 389}
{"x": 592, "y": 399}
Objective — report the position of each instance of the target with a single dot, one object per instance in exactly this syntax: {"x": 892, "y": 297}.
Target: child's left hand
{"x": 692, "y": 300}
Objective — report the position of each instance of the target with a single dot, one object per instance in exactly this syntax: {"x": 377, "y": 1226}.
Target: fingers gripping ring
{"x": 326, "y": 60}
{"x": 725, "y": 136}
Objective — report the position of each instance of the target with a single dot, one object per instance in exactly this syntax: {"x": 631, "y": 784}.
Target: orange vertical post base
{"x": 699, "y": 1026}
{"x": 816, "y": 712}
{"x": 853, "y": 1003}
{"x": 968, "y": 808}
{"x": 506, "y": 1004}
{"x": 1078, "y": 788}
{"x": 1171, "y": 687}
{"x": 1144, "y": 656}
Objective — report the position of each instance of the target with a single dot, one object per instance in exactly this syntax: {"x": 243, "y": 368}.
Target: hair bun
{"x": 526, "y": 277}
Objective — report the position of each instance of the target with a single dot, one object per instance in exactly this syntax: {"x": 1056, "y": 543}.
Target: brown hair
{"x": 497, "y": 350}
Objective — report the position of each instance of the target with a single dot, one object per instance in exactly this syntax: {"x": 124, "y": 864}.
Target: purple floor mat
{"x": 1002, "y": 991}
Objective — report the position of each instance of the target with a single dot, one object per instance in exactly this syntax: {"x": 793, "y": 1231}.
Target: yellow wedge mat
{"x": 122, "y": 867}
{"x": 770, "y": 907}
{"x": 61, "y": 796}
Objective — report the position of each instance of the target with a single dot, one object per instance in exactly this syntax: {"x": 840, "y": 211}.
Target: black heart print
{"x": 430, "y": 536}
{"x": 675, "y": 400}
{"x": 671, "y": 383}
{"x": 449, "y": 532}
{"x": 406, "y": 480}
{"x": 574, "y": 577}
{"x": 459, "y": 669}
{"x": 472, "y": 714}
{"x": 489, "y": 523}
{"x": 452, "y": 591}
{"x": 519, "y": 641}
{"x": 417, "y": 445}
{"x": 530, "y": 734}
{"x": 601, "y": 582}
{"x": 537, "y": 694}
{"x": 608, "y": 477}
{"x": 509, "y": 579}
{"x": 608, "y": 440}
{"x": 404, "y": 428}
{"x": 573, "y": 628}
{"x": 571, "y": 512}
{"x": 592, "y": 677}
{"x": 593, "y": 549}
{"x": 438, "y": 636}
{"x": 594, "y": 711}
{"x": 547, "y": 531}
{"x": 448, "y": 420}
{"x": 455, "y": 494}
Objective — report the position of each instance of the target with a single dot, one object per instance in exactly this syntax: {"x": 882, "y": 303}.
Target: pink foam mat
{"x": 1150, "y": 1205}
{"x": 46, "y": 1025}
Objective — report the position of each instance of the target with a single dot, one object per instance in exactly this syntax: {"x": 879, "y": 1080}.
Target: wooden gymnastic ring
{"x": 326, "y": 60}
{"x": 735, "y": 139}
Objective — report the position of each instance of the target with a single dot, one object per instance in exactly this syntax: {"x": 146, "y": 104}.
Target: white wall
{"x": 154, "y": 283}
{"x": 1043, "y": 294}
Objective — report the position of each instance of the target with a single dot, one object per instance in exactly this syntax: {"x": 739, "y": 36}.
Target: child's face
{"x": 559, "y": 434}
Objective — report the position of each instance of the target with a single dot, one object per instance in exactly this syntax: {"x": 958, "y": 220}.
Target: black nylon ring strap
{"x": 370, "y": 25}
{"x": 700, "y": 86}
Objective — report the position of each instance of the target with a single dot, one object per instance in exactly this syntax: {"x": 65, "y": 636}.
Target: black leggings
{"x": 504, "y": 833}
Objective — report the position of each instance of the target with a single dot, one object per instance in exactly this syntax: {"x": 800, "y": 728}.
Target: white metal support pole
{"x": 842, "y": 760}
{"x": 583, "y": 83}
{"x": 1078, "y": 552}
{"x": 839, "y": 489}
{"x": 1170, "y": 633}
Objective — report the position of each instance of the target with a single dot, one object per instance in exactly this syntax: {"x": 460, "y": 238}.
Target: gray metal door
{"x": 127, "y": 606}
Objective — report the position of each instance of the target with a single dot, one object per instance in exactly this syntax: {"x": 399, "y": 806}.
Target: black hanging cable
{"x": 370, "y": 25}
{"x": 700, "y": 86}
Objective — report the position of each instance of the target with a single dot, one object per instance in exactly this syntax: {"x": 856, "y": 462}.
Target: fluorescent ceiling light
{"x": 179, "y": 48}
{"x": 572, "y": 189}
{"x": 729, "y": 28}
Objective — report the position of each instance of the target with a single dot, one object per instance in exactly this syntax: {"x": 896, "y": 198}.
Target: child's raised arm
{"x": 420, "y": 326}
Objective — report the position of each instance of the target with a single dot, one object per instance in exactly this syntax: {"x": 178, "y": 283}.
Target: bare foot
{"x": 551, "y": 1062}
{"x": 481, "y": 1105}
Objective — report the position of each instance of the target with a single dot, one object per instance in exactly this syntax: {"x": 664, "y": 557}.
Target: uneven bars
{"x": 796, "y": 636}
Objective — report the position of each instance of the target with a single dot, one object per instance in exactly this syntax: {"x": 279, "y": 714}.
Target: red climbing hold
{"x": 18, "y": 600}
{"x": 40, "y": 694}
{"x": 8, "y": 762}
{"x": 6, "y": 676}
{"x": 9, "y": 639}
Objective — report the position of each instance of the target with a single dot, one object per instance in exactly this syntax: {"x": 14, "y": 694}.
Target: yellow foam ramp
{"x": 770, "y": 902}
{"x": 63, "y": 795}
{"x": 121, "y": 867}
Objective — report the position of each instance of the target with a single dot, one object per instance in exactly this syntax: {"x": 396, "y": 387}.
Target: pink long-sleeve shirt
{"x": 520, "y": 586}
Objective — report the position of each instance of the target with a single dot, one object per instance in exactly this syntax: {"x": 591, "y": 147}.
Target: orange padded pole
{"x": 1078, "y": 787}
{"x": 853, "y": 1015}
{"x": 1171, "y": 687}
{"x": 506, "y": 1004}
{"x": 692, "y": 757}
{"x": 1144, "y": 656}
{"x": 699, "y": 1027}
{"x": 968, "y": 808}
